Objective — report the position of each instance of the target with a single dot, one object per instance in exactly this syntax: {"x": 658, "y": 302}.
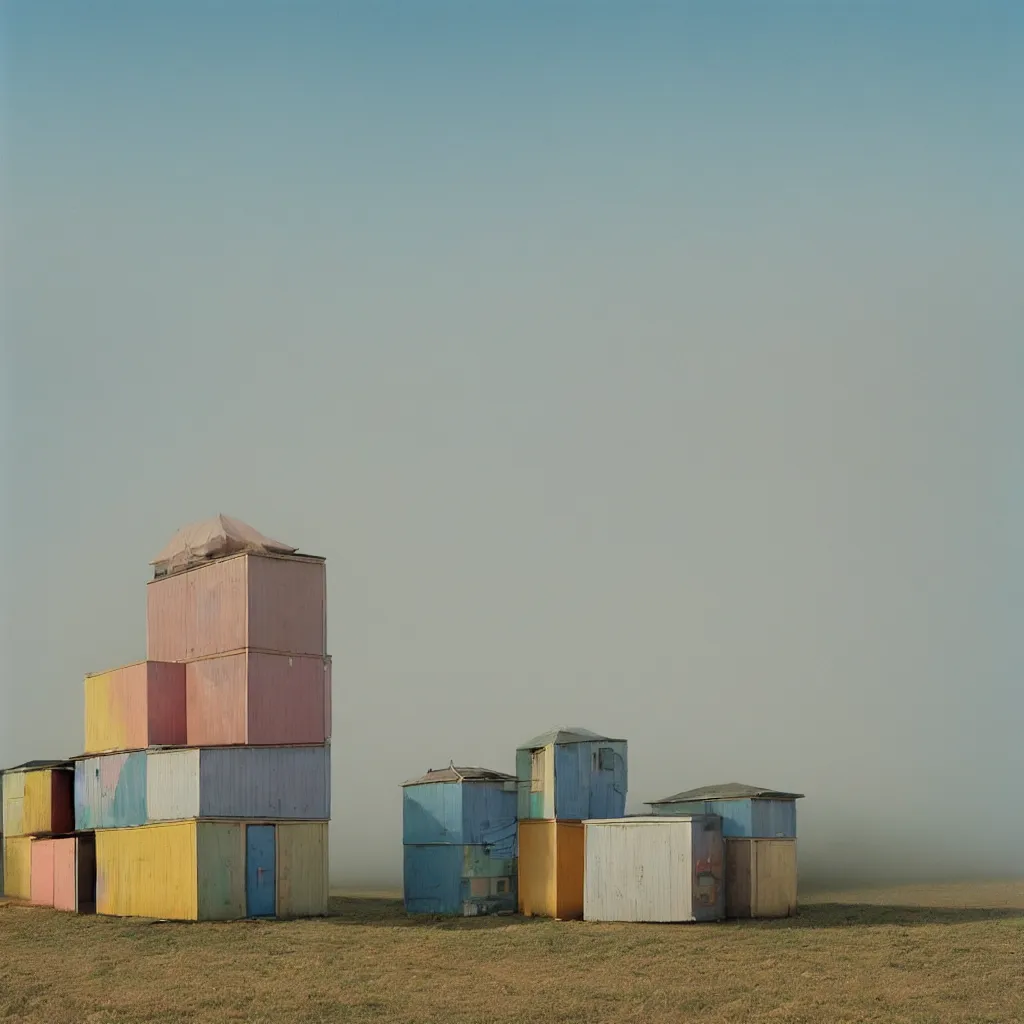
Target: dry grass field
{"x": 942, "y": 955}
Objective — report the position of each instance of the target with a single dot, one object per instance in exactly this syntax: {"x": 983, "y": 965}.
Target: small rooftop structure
{"x": 570, "y": 774}
{"x": 214, "y": 538}
{"x": 727, "y": 791}
{"x": 454, "y": 774}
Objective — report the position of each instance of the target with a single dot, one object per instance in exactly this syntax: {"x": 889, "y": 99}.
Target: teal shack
{"x": 459, "y": 840}
{"x": 571, "y": 774}
{"x": 747, "y": 812}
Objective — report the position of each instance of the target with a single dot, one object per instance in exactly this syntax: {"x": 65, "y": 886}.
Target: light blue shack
{"x": 571, "y": 774}
{"x": 459, "y": 836}
{"x": 747, "y": 812}
{"x": 110, "y": 791}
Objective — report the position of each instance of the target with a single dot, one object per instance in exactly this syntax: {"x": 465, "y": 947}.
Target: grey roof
{"x": 727, "y": 791}
{"x": 565, "y": 734}
{"x": 29, "y": 766}
{"x": 454, "y": 774}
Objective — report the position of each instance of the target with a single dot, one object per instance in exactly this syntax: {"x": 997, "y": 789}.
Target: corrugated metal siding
{"x": 432, "y": 813}
{"x": 432, "y": 878}
{"x": 48, "y": 804}
{"x": 265, "y": 782}
{"x": 14, "y": 800}
{"x": 489, "y": 816}
{"x": 147, "y": 872}
{"x": 167, "y": 618}
{"x": 761, "y": 877}
{"x": 258, "y": 698}
{"x": 287, "y": 605}
{"x": 220, "y": 865}
{"x": 41, "y": 885}
{"x": 18, "y": 867}
{"x": 135, "y": 706}
{"x": 277, "y": 604}
{"x": 550, "y": 869}
{"x": 288, "y": 699}
{"x": 583, "y": 789}
{"x": 110, "y": 791}
{"x": 65, "y": 871}
{"x": 172, "y": 785}
{"x": 670, "y": 870}
{"x": 743, "y": 819}
{"x": 302, "y": 869}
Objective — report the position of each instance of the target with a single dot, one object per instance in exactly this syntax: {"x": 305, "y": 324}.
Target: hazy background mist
{"x": 657, "y": 369}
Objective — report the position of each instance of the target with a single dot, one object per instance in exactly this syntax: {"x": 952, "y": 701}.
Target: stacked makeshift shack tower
{"x": 204, "y": 791}
{"x": 459, "y": 842}
{"x": 564, "y": 777}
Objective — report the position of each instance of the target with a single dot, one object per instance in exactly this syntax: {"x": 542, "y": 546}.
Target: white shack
{"x": 654, "y": 869}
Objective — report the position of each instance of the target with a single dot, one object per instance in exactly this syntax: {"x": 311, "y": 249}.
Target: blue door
{"x": 260, "y": 842}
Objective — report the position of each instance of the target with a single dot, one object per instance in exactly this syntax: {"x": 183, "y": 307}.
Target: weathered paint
{"x": 654, "y": 869}
{"x": 302, "y": 869}
{"x": 746, "y": 819}
{"x": 255, "y": 697}
{"x": 196, "y": 870}
{"x": 761, "y": 877}
{"x": 134, "y": 707}
{"x": 445, "y": 879}
{"x": 41, "y": 886}
{"x": 65, "y": 874}
{"x": 573, "y": 781}
{"x": 110, "y": 790}
{"x": 551, "y": 869}
{"x": 148, "y": 871}
{"x": 48, "y": 802}
{"x": 240, "y": 782}
{"x": 220, "y": 864}
{"x": 461, "y": 813}
{"x": 260, "y": 870}
{"x": 18, "y": 867}
{"x": 271, "y": 603}
{"x": 13, "y": 799}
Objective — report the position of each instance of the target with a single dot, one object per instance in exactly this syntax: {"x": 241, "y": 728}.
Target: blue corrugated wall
{"x": 464, "y": 814}
{"x": 744, "y": 819}
{"x": 583, "y": 789}
{"x": 110, "y": 791}
{"x": 446, "y": 879}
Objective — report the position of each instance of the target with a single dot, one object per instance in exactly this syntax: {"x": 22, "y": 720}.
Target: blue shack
{"x": 747, "y": 812}
{"x": 459, "y": 838}
{"x": 571, "y": 774}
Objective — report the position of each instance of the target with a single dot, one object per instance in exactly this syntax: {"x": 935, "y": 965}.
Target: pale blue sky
{"x": 650, "y": 368}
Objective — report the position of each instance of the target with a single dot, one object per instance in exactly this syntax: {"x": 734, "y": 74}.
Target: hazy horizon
{"x": 657, "y": 370}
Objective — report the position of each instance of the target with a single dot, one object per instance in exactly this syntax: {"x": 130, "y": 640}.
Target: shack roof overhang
{"x": 728, "y": 791}
{"x": 454, "y": 773}
{"x": 566, "y": 734}
{"x": 32, "y": 766}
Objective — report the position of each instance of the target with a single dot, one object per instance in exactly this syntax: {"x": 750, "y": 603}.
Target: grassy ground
{"x": 948, "y": 955}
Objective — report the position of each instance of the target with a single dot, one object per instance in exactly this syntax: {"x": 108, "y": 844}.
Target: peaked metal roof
{"x": 726, "y": 791}
{"x": 565, "y": 734}
{"x": 454, "y": 774}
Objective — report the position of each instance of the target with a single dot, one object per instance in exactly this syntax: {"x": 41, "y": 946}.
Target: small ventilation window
{"x": 606, "y": 759}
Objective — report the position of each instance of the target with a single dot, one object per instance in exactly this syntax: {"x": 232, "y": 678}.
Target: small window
{"x": 606, "y": 759}
{"x": 502, "y": 885}
{"x": 537, "y": 772}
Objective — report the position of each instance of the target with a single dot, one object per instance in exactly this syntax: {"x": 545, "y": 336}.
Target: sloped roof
{"x": 727, "y": 791}
{"x": 454, "y": 774}
{"x": 214, "y": 538}
{"x": 30, "y": 766}
{"x": 565, "y": 734}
